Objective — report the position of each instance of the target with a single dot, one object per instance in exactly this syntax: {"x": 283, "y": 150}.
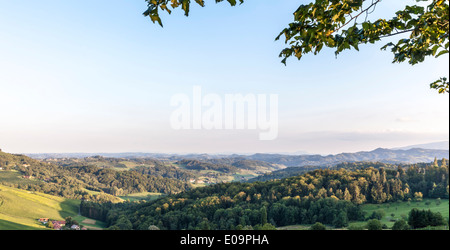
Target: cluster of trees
{"x": 430, "y": 180}
{"x": 225, "y": 165}
{"x": 200, "y": 165}
{"x": 11, "y": 161}
{"x": 325, "y": 196}
{"x": 251, "y": 164}
{"x": 286, "y": 173}
{"x": 105, "y": 162}
{"x": 424, "y": 218}
{"x": 166, "y": 172}
{"x": 241, "y": 162}
{"x": 96, "y": 210}
{"x": 125, "y": 182}
{"x": 416, "y": 219}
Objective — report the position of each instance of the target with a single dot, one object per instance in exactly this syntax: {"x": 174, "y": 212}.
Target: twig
{"x": 365, "y": 10}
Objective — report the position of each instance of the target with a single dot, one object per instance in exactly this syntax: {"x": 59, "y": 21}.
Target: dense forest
{"x": 326, "y": 196}
{"x": 294, "y": 171}
{"x": 104, "y": 162}
{"x": 166, "y": 172}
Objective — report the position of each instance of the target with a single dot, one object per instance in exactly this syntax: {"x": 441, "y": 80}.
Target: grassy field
{"x": 142, "y": 196}
{"x": 396, "y": 210}
{"x": 15, "y": 177}
{"x": 90, "y": 223}
{"x": 298, "y": 227}
{"x": 20, "y": 209}
{"x": 392, "y": 211}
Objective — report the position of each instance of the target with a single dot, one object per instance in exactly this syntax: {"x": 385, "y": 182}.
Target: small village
{"x": 67, "y": 224}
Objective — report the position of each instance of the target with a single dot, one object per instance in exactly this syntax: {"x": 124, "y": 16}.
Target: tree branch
{"x": 400, "y": 32}
{"x": 351, "y": 19}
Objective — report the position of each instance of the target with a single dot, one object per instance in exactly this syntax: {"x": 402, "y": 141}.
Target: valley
{"x": 213, "y": 192}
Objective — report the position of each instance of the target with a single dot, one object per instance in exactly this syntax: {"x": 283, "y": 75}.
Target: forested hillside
{"x": 326, "y": 196}
{"x": 294, "y": 171}
{"x": 77, "y": 181}
{"x": 414, "y": 155}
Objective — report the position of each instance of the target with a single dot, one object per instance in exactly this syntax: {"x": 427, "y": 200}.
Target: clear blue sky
{"x": 97, "y": 76}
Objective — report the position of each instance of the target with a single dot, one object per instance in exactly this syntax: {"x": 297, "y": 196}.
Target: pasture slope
{"x": 396, "y": 210}
{"x": 20, "y": 209}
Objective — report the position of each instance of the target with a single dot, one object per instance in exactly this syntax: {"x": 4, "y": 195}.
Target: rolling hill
{"x": 414, "y": 155}
{"x": 20, "y": 209}
{"x": 405, "y": 155}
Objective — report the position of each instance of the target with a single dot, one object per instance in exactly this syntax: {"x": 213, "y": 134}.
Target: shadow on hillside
{"x": 8, "y": 225}
{"x": 69, "y": 208}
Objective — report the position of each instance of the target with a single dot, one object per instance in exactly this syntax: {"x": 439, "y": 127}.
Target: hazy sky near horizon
{"x": 97, "y": 76}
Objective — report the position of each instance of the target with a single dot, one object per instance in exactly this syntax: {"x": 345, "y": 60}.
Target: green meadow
{"x": 391, "y": 212}
{"x": 141, "y": 196}
{"x": 15, "y": 177}
{"x": 397, "y": 210}
{"x": 20, "y": 209}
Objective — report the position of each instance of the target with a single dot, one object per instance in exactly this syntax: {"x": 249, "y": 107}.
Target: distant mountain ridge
{"x": 413, "y": 155}
{"x": 433, "y": 145}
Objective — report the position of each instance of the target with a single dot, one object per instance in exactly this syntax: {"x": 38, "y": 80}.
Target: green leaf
{"x": 232, "y": 2}
{"x": 366, "y": 26}
{"x": 443, "y": 52}
{"x": 200, "y": 2}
